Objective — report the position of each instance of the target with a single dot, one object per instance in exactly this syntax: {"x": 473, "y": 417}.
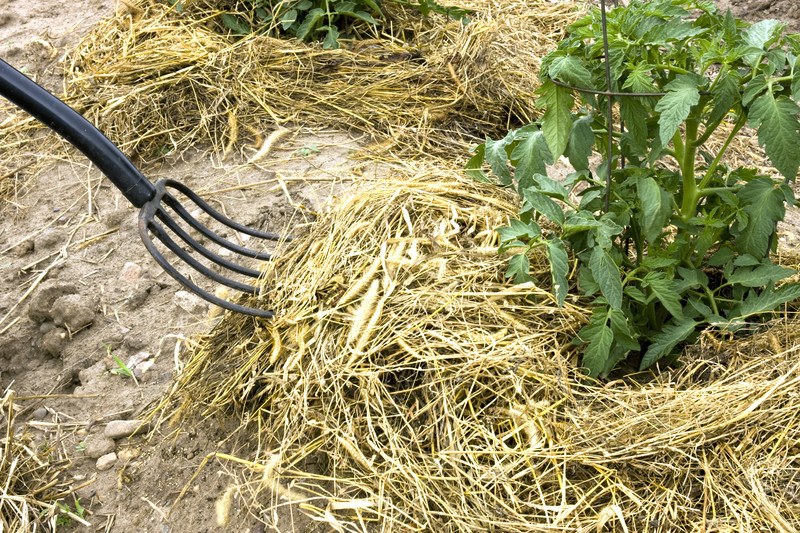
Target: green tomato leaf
{"x": 557, "y": 119}
{"x": 725, "y": 96}
{"x": 236, "y": 24}
{"x": 607, "y": 276}
{"x": 543, "y": 204}
{"x": 532, "y": 155}
{"x": 497, "y": 157}
{"x": 746, "y": 260}
{"x": 666, "y": 340}
{"x": 720, "y": 257}
{"x": 519, "y": 230}
{"x": 519, "y": 267}
{"x": 578, "y": 222}
{"x": 675, "y": 106}
{"x": 623, "y": 334}
{"x": 600, "y": 337}
{"x": 635, "y": 115}
{"x": 640, "y": 79}
{"x": 581, "y": 140}
{"x": 753, "y": 88}
{"x": 665, "y": 291}
{"x": 331, "y": 39}
{"x": 559, "y": 268}
{"x": 729, "y": 29}
{"x": 762, "y": 33}
{"x": 796, "y": 80}
{"x": 550, "y": 187}
{"x": 473, "y": 166}
{"x": 766, "y": 301}
{"x": 778, "y": 131}
{"x": 762, "y": 202}
{"x": 288, "y": 18}
{"x": 570, "y": 69}
{"x": 309, "y": 23}
{"x": 760, "y": 275}
{"x": 652, "y": 217}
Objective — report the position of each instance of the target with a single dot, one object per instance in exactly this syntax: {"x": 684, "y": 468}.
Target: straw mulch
{"x": 404, "y": 386}
{"x": 157, "y": 80}
{"x": 30, "y": 477}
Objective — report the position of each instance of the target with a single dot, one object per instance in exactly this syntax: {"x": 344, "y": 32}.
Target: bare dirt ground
{"x": 76, "y": 286}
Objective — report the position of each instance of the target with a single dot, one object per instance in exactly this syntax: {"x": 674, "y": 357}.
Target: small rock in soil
{"x": 49, "y": 238}
{"x": 130, "y": 272}
{"x": 74, "y": 311}
{"x": 138, "y": 358}
{"x": 24, "y": 249}
{"x": 40, "y": 413}
{"x": 190, "y": 303}
{"x": 54, "y": 341}
{"x": 97, "y": 445}
{"x": 43, "y": 298}
{"x": 117, "y": 429}
{"x": 104, "y": 462}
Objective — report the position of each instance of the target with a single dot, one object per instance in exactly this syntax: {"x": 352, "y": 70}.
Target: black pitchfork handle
{"x": 59, "y": 117}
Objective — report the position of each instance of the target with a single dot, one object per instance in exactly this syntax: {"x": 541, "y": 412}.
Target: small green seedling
{"x": 66, "y": 518}
{"x": 307, "y": 150}
{"x": 81, "y": 446}
{"x": 122, "y": 369}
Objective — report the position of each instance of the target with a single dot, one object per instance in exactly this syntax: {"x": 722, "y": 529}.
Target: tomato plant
{"x": 674, "y": 240}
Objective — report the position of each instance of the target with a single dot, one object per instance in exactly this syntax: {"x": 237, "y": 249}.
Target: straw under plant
{"x": 405, "y": 385}
{"x": 159, "y": 80}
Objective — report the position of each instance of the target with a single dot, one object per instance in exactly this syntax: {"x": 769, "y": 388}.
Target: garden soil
{"x": 77, "y": 290}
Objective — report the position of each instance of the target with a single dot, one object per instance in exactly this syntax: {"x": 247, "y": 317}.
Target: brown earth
{"x": 76, "y": 285}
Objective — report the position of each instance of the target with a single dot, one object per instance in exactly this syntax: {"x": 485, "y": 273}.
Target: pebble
{"x": 40, "y": 413}
{"x": 73, "y": 311}
{"x": 128, "y": 454}
{"x": 138, "y": 358}
{"x": 130, "y": 272}
{"x": 98, "y": 445}
{"x": 104, "y": 462}
{"x": 117, "y": 429}
{"x": 54, "y": 341}
{"x": 190, "y": 303}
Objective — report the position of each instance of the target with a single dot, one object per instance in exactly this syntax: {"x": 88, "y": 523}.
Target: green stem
{"x": 672, "y": 68}
{"x": 740, "y": 122}
{"x": 689, "y": 205}
{"x": 710, "y": 129}
{"x": 711, "y": 300}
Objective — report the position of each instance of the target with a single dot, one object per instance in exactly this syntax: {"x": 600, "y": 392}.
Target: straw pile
{"x": 404, "y": 386}
{"x": 31, "y": 477}
{"x": 157, "y": 80}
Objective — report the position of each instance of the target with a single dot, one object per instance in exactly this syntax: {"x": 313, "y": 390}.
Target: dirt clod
{"x": 54, "y": 341}
{"x": 97, "y": 445}
{"x": 118, "y": 429}
{"x": 74, "y": 311}
{"x": 44, "y": 297}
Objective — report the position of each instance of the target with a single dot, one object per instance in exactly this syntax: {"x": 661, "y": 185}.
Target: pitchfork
{"x": 152, "y": 200}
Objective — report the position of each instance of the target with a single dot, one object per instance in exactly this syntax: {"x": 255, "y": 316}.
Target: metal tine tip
{"x": 161, "y": 208}
{"x": 186, "y": 282}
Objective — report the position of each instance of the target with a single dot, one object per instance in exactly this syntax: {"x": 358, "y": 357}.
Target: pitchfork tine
{"x": 150, "y": 199}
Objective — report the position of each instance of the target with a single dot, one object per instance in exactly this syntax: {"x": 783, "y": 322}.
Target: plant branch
{"x": 740, "y": 122}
